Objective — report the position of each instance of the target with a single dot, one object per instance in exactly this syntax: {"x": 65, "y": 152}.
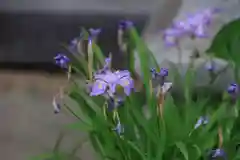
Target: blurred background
{"x": 31, "y": 32}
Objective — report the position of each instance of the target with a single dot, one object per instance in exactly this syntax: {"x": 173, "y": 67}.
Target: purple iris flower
{"x": 193, "y": 26}
{"x": 62, "y": 60}
{"x": 196, "y": 25}
{"x": 119, "y": 129}
{"x": 94, "y": 32}
{"x": 107, "y": 82}
{"x": 218, "y": 153}
{"x": 125, "y": 24}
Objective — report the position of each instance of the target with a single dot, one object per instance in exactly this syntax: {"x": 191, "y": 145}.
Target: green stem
{"x": 57, "y": 144}
{"x": 236, "y": 74}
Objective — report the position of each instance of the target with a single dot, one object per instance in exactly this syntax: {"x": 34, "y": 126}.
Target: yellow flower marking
{"x": 125, "y": 83}
{"x": 100, "y": 86}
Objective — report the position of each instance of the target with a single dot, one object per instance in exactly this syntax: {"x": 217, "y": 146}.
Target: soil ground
{"x": 27, "y": 123}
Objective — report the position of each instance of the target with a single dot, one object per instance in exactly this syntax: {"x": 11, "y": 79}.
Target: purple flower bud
{"x": 218, "y": 153}
{"x": 163, "y": 72}
{"x": 210, "y": 66}
{"x": 94, "y": 32}
{"x": 233, "y": 88}
{"x": 125, "y": 24}
{"x": 62, "y": 60}
{"x": 154, "y": 72}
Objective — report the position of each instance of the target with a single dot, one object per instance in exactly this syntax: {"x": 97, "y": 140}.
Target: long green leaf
{"x": 183, "y": 149}
{"x": 133, "y": 146}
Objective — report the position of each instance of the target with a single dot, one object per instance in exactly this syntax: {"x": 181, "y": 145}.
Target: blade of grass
{"x": 183, "y": 149}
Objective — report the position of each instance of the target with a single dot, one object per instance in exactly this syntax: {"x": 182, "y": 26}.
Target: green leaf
{"x": 99, "y": 55}
{"x": 174, "y": 123}
{"x": 42, "y": 156}
{"x": 144, "y": 60}
{"x": 226, "y": 42}
{"x": 80, "y": 125}
{"x": 216, "y": 116}
{"x": 183, "y": 149}
{"x": 133, "y": 146}
{"x": 90, "y": 102}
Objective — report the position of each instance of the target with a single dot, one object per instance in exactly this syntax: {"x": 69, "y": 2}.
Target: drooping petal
{"x": 125, "y": 24}
{"x": 127, "y": 84}
{"x": 98, "y": 88}
{"x": 166, "y": 87}
{"x": 56, "y": 106}
{"x": 200, "y": 32}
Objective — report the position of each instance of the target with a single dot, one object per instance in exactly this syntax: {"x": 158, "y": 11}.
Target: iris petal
{"x": 98, "y": 88}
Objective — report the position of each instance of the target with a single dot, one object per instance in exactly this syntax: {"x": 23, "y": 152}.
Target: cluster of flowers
{"x": 105, "y": 81}
{"x": 194, "y": 26}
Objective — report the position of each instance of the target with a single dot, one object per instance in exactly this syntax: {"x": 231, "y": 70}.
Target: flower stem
{"x": 179, "y": 53}
{"x": 90, "y": 59}
{"x": 69, "y": 72}
{"x": 220, "y": 137}
{"x": 160, "y": 102}
{"x": 104, "y": 110}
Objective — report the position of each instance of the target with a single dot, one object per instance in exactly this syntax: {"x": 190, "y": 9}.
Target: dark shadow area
{"x": 29, "y": 41}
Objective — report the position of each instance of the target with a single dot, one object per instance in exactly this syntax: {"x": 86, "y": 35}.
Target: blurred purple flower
{"x": 197, "y": 25}
{"x": 218, "y": 153}
{"x": 172, "y": 35}
{"x": 210, "y": 66}
{"x": 193, "y": 27}
{"x": 201, "y": 32}
{"x": 125, "y": 24}
{"x": 62, "y": 60}
{"x": 109, "y": 80}
{"x": 73, "y": 46}
{"x": 159, "y": 76}
{"x": 163, "y": 72}
{"x": 119, "y": 129}
{"x": 233, "y": 89}
{"x": 94, "y": 32}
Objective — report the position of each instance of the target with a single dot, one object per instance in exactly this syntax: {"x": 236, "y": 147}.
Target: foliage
{"x": 171, "y": 134}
